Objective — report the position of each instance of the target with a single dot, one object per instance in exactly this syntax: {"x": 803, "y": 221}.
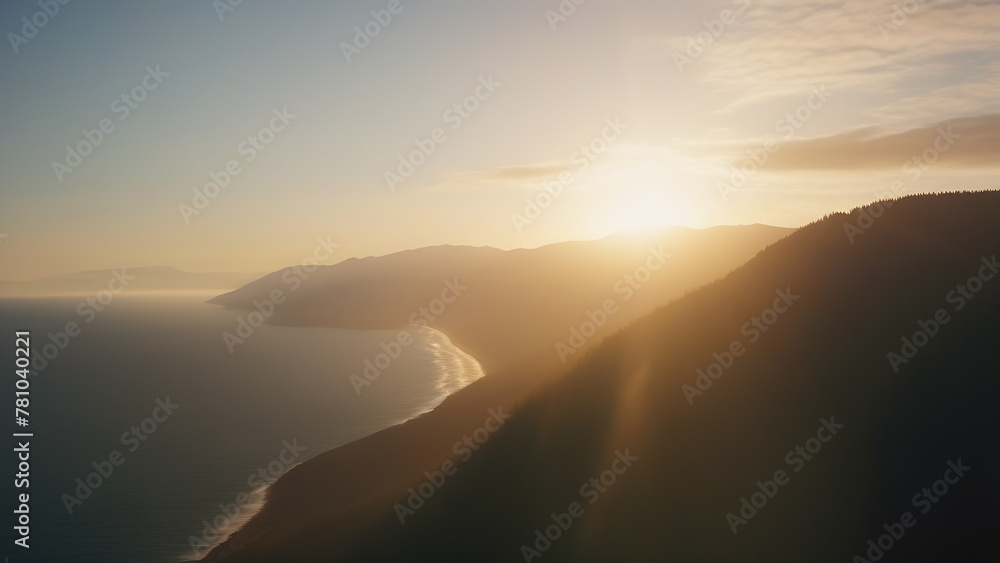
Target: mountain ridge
{"x": 824, "y": 358}
{"x": 528, "y": 296}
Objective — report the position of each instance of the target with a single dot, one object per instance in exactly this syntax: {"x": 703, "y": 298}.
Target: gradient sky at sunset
{"x": 891, "y": 91}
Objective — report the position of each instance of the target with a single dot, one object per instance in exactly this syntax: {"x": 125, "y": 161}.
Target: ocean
{"x": 152, "y": 440}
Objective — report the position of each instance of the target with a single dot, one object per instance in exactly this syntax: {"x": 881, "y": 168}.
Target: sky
{"x": 237, "y": 134}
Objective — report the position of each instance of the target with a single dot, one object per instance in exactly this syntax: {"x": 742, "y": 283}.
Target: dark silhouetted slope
{"x": 824, "y": 358}
{"x": 506, "y": 292}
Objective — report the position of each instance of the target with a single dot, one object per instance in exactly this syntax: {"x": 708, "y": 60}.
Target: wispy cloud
{"x": 783, "y": 47}
{"x": 972, "y": 142}
{"x": 630, "y": 163}
{"x": 512, "y": 175}
{"x": 979, "y": 93}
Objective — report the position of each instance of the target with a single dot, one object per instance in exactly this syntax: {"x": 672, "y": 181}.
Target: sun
{"x": 637, "y": 190}
{"x": 645, "y": 208}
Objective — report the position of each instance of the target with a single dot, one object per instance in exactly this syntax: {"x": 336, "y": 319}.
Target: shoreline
{"x": 449, "y": 359}
{"x": 457, "y": 369}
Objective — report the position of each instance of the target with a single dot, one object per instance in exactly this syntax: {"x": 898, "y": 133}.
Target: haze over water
{"x": 236, "y": 413}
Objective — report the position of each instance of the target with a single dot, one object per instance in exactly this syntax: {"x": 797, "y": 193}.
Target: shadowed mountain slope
{"x": 385, "y": 462}
{"x": 874, "y": 431}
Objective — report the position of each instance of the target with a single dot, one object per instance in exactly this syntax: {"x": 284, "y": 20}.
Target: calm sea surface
{"x": 236, "y": 414}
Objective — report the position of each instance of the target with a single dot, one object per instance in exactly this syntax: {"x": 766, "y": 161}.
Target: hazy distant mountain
{"x": 133, "y": 280}
{"x": 866, "y": 373}
{"x": 510, "y": 304}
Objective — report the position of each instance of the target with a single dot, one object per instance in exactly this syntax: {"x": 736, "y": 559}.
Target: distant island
{"x": 157, "y": 279}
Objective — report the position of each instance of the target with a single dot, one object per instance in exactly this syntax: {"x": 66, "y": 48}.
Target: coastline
{"x": 456, "y": 370}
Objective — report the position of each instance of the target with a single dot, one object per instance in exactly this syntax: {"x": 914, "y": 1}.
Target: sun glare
{"x": 647, "y": 208}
